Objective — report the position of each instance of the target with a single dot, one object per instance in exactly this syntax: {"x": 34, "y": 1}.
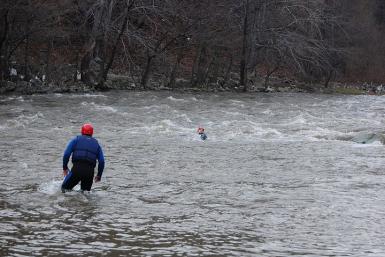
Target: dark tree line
{"x": 200, "y": 42}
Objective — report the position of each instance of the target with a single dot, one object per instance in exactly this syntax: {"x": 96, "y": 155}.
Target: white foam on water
{"x": 53, "y": 187}
{"x": 167, "y": 123}
{"x": 233, "y": 113}
{"x": 94, "y": 95}
{"x": 244, "y": 130}
{"x": 107, "y": 108}
{"x": 87, "y": 95}
{"x": 100, "y": 107}
{"x": 235, "y": 101}
{"x": 171, "y": 98}
{"x": 298, "y": 120}
{"x": 183, "y": 116}
{"x": 324, "y": 132}
{"x": 149, "y": 107}
{"x": 20, "y": 98}
{"x": 11, "y": 98}
{"x": 172, "y": 126}
{"x": 23, "y": 120}
{"x": 267, "y": 112}
{"x": 373, "y": 144}
{"x": 157, "y": 127}
{"x": 24, "y": 165}
{"x": 238, "y": 105}
{"x": 16, "y": 110}
{"x": 167, "y": 126}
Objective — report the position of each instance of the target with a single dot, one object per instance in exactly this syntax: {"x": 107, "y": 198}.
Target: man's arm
{"x": 100, "y": 165}
{"x": 67, "y": 153}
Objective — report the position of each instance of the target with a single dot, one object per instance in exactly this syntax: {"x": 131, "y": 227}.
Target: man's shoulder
{"x": 75, "y": 138}
{"x": 97, "y": 141}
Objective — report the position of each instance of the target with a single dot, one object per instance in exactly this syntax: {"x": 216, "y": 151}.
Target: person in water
{"x": 85, "y": 150}
{"x": 201, "y": 132}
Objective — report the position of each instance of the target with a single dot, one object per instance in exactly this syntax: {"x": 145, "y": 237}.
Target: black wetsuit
{"x": 83, "y": 172}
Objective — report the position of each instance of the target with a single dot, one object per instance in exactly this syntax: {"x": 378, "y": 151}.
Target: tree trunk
{"x": 26, "y": 60}
{"x": 4, "y": 33}
{"x": 268, "y": 74}
{"x": 75, "y": 76}
{"x": 85, "y": 67}
{"x": 228, "y": 71}
{"x": 243, "y": 64}
{"x": 4, "y": 55}
{"x": 213, "y": 69}
{"x": 202, "y": 67}
{"x": 196, "y": 65}
{"x": 206, "y": 72}
{"x": 100, "y": 61}
{"x": 115, "y": 46}
{"x": 175, "y": 68}
{"x": 146, "y": 73}
{"x": 4, "y": 69}
{"x": 47, "y": 63}
{"x": 88, "y": 75}
{"x": 328, "y": 78}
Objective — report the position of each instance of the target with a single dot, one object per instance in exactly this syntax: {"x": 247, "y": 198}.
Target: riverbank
{"x": 121, "y": 82}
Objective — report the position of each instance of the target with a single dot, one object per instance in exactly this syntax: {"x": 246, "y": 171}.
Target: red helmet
{"x": 201, "y": 130}
{"x": 87, "y": 129}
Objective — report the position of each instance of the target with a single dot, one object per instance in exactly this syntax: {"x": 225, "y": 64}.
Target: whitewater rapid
{"x": 279, "y": 175}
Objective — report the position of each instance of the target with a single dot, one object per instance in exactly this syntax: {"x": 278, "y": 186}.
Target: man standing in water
{"x": 85, "y": 151}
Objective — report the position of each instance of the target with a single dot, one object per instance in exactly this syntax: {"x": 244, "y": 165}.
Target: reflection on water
{"x": 279, "y": 176}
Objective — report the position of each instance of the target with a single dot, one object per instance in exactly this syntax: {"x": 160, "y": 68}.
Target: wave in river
{"x": 22, "y": 120}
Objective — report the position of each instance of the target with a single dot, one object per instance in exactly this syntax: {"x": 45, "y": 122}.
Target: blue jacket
{"x": 203, "y": 136}
{"x": 84, "y": 148}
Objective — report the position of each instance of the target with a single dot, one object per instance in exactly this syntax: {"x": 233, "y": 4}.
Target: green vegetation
{"x": 349, "y": 91}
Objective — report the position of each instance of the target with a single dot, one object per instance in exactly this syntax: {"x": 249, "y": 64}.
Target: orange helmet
{"x": 87, "y": 129}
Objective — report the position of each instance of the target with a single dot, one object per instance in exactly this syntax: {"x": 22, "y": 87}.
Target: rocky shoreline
{"x": 121, "y": 82}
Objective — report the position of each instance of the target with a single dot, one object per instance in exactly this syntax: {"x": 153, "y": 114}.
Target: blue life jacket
{"x": 86, "y": 149}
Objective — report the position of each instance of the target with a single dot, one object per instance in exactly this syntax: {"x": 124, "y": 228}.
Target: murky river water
{"x": 278, "y": 176}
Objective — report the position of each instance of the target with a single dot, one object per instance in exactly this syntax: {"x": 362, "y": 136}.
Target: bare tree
{"x": 286, "y": 33}
{"x": 208, "y": 41}
{"x": 104, "y": 24}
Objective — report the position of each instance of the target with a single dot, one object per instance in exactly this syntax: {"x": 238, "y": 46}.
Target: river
{"x": 278, "y": 175}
